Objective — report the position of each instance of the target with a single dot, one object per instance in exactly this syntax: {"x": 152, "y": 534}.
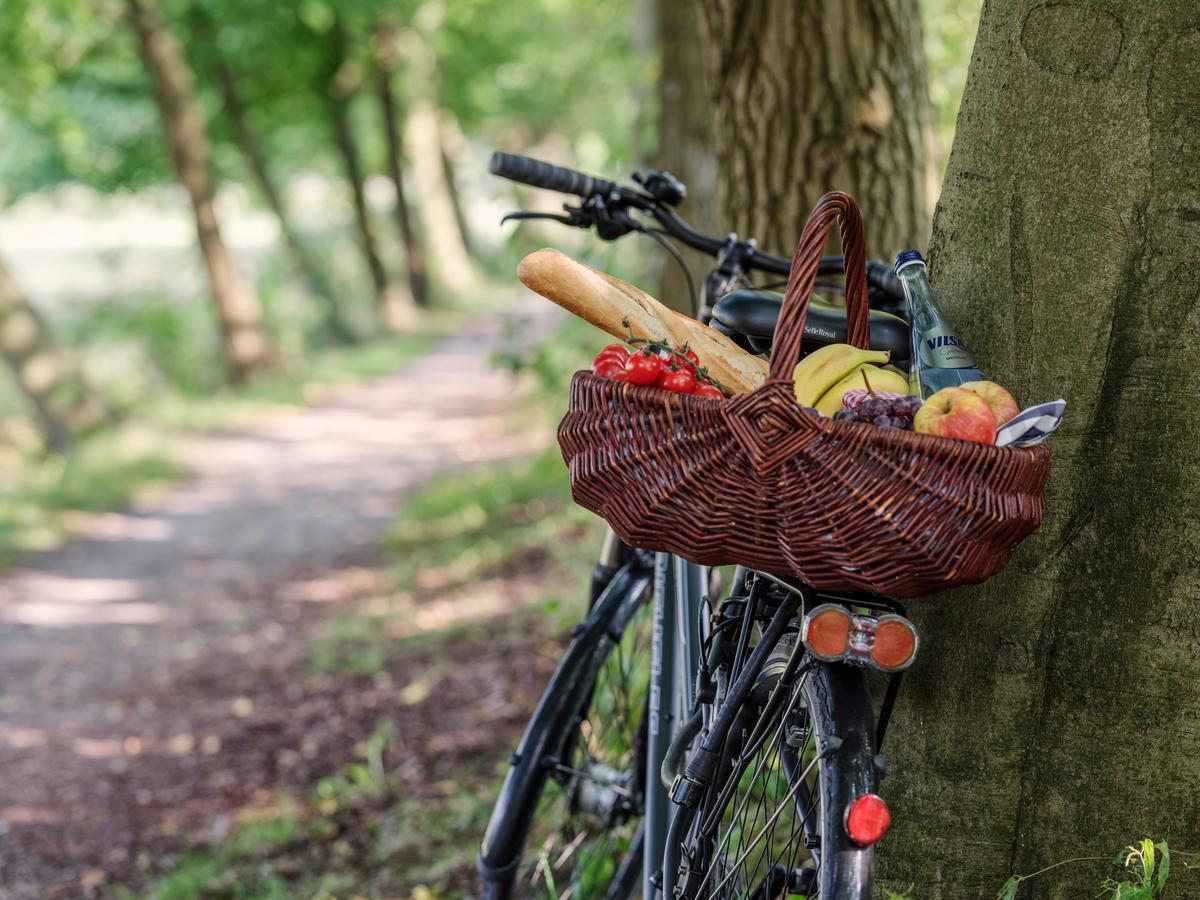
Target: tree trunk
{"x": 1055, "y": 711}
{"x": 247, "y": 141}
{"x": 414, "y": 255}
{"x": 686, "y": 119}
{"x": 244, "y": 342}
{"x": 396, "y": 306}
{"x": 62, "y": 402}
{"x": 448, "y": 255}
{"x": 813, "y": 97}
{"x": 454, "y": 150}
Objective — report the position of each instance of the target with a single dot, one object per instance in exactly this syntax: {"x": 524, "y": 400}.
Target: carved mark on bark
{"x": 1073, "y": 39}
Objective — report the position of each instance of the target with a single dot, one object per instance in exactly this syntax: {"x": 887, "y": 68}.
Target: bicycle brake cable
{"x": 654, "y": 234}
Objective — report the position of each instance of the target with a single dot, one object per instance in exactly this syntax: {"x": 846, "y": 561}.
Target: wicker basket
{"x": 758, "y": 481}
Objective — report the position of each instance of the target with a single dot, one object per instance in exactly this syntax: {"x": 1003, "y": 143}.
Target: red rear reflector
{"x": 867, "y": 819}
{"x": 827, "y": 631}
{"x": 895, "y": 643}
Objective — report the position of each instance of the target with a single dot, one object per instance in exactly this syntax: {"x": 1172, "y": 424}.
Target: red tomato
{"x": 681, "y": 381}
{"x": 643, "y": 369}
{"x": 618, "y": 352}
{"x": 607, "y": 368}
{"x": 690, "y": 356}
{"x": 704, "y": 389}
{"x": 621, "y": 376}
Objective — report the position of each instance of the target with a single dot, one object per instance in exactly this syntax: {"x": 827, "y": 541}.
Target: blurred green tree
{"x": 387, "y": 62}
{"x": 423, "y": 138}
{"x": 248, "y": 141}
{"x": 64, "y": 404}
{"x": 245, "y": 344}
{"x": 343, "y": 76}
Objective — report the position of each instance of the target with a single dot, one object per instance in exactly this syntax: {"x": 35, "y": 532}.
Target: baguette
{"x": 609, "y": 303}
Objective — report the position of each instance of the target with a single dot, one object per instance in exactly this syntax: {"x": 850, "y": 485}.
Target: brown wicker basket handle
{"x": 789, "y": 332}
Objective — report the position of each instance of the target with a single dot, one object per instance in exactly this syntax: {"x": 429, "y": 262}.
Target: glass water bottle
{"x": 939, "y": 359}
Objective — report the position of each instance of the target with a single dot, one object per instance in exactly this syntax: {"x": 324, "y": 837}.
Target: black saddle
{"x": 749, "y": 316}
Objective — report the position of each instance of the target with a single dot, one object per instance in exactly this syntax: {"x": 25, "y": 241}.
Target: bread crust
{"x": 617, "y": 307}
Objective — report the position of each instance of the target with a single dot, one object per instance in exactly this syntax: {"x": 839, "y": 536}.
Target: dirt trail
{"x": 148, "y": 671}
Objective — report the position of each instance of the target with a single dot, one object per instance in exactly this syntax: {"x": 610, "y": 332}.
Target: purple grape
{"x": 845, "y": 415}
{"x": 907, "y": 406}
{"x": 872, "y": 407}
{"x": 889, "y": 422}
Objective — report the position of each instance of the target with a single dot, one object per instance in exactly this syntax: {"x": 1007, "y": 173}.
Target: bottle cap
{"x": 908, "y": 258}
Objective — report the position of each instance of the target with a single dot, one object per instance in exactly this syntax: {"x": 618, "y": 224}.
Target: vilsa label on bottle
{"x": 941, "y": 349}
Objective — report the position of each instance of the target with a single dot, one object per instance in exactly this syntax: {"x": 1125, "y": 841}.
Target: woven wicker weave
{"x": 758, "y": 481}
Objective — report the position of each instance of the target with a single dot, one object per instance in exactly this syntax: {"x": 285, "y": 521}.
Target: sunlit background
{"x": 271, "y": 619}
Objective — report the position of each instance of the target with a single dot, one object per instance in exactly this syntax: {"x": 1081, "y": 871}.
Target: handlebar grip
{"x": 536, "y": 173}
{"x": 883, "y": 278}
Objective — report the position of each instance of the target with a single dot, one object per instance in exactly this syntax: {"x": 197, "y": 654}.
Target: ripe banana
{"x": 823, "y": 368}
{"x": 880, "y": 380}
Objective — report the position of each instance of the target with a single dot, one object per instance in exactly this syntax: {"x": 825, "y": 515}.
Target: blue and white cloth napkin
{"x": 1031, "y": 426}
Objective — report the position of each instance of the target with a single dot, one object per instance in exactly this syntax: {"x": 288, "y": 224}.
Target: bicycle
{"x": 695, "y": 742}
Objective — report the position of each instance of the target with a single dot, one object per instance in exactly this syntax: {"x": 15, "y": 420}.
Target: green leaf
{"x": 1164, "y": 868}
{"x": 1009, "y": 890}
{"x": 1148, "y": 861}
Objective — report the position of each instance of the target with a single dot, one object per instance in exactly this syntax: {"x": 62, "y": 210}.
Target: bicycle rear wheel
{"x": 771, "y": 824}
{"x": 566, "y": 823}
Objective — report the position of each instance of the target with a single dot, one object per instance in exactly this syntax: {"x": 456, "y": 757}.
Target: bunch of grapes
{"x": 883, "y": 412}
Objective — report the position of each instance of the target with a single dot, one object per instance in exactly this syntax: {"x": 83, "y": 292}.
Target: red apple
{"x": 1000, "y": 400}
{"x": 957, "y": 413}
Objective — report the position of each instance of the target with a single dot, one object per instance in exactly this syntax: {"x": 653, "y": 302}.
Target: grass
{"x": 258, "y": 858}
{"x": 43, "y": 499}
{"x": 514, "y": 519}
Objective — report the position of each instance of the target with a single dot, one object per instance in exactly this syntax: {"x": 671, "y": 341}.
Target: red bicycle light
{"x": 867, "y": 819}
{"x": 895, "y": 643}
{"x": 826, "y": 631}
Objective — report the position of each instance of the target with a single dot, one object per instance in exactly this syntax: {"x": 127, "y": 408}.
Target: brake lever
{"x": 513, "y": 216}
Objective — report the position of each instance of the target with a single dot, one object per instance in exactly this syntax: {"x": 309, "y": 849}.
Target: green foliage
{"x": 1148, "y": 864}
{"x": 77, "y": 103}
{"x": 1145, "y": 868}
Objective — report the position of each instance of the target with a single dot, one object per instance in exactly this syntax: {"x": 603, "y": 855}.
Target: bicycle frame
{"x": 681, "y": 627}
{"x": 680, "y": 631}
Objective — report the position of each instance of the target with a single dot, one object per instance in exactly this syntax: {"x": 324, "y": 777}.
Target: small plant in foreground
{"x": 1146, "y": 867}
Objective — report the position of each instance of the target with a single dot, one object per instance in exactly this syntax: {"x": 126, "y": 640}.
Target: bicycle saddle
{"x": 749, "y": 317}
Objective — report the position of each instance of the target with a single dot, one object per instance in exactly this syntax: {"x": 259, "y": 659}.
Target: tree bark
{"x": 63, "y": 403}
{"x": 812, "y": 97}
{"x": 396, "y": 305}
{"x": 1055, "y": 711}
{"x": 247, "y": 141}
{"x": 414, "y": 254}
{"x": 686, "y": 119}
{"x": 244, "y": 342}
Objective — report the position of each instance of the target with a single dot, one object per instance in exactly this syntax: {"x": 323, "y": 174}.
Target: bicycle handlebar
{"x": 536, "y": 173}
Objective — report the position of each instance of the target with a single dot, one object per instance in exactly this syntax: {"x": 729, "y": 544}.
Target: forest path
{"x": 153, "y": 672}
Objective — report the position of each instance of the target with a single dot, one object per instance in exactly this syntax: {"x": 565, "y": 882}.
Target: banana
{"x": 823, "y": 368}
{"x": 880, "y": 379}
